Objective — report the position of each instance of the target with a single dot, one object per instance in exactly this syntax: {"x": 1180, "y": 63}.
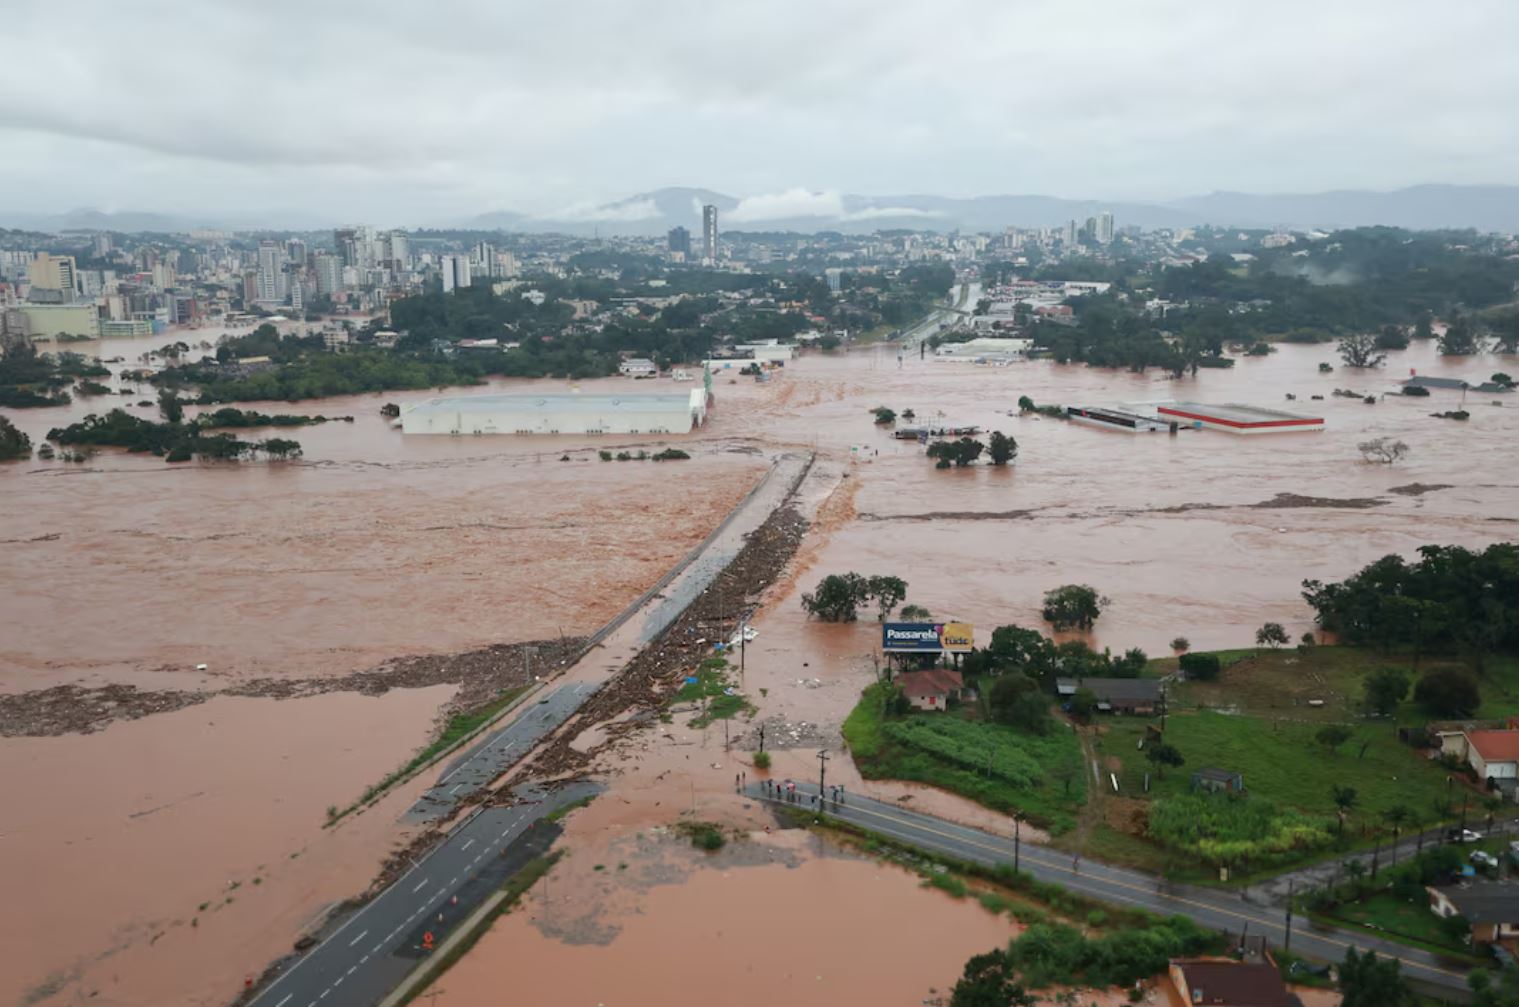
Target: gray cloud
{"x": 404, "y": 112}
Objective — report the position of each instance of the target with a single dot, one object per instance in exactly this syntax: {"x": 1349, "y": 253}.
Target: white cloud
{"x": 789, "y": 205}
{"x": 877, "y": 212}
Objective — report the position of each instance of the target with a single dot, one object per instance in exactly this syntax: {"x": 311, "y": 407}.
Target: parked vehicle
{"x": 1484, "y": 859}
{"x": 1458, "y": 835}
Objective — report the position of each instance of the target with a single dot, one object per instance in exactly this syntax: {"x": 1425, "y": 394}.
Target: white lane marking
{"x": 454, "y": 880}
{"x": 285, "y": 1001}
{"x": 376, "y": 949}
{"x": 461, "y": 850}
{"x": 422, "y": 884}
{"x": 455, "y": 788}
{"x": 352, "y": 969}
{"x": 441, "y": 892}
{"x": 324, "y": 994}
{"x": 363, "y": 960}
{"x": 350, "y": 944}
{"x": 337, "y": 982}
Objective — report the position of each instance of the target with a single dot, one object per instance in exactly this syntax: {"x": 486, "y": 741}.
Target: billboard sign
{"x": 926, "y": 637}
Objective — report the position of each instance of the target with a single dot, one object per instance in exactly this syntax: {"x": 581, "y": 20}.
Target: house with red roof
{"x": 931, "y": 690}
{"x": 1493, "y": 754}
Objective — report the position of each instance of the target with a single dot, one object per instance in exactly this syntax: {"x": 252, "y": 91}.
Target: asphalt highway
{"x": 1220, "y": 910}
{"x": 374, "y": 949}
{"x": 487, "y": 760}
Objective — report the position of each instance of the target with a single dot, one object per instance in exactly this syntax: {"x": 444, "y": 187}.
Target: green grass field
{"x": 1410, "y": 919}
{"x": 994, "y": 765}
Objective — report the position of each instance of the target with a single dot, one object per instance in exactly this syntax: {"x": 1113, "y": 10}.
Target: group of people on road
{"x": 786, "y": 791}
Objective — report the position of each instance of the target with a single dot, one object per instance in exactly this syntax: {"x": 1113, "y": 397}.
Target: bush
{"x": 606, "y": 456}
{"x": 761, "y": 760}
{"x": 1050, "y": 954}
{"x": 1181, "y": 644}
{"x": 1231, "y": 828}
{"x": 1200, "y": 667}
{"x": 1418, "y": 391}
{"x": 670, "y": 455}
{"x": 1448, "y": 692}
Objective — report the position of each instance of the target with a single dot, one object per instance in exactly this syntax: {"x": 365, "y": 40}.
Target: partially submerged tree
{"x": 1383, "y": 450}
{"x": 837, "y": 598}
{"x": 887, "y": 593}
{"x": 1001, "y": 448}
{"x": 1073, "y": 606}
{"x": 1360, "y": 349}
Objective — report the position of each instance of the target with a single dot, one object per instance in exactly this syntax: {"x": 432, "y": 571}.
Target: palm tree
{"x": 1344, "y": 799}
{"x": 1397, "y": 816}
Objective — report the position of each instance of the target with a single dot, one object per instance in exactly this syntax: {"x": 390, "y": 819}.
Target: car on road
{"x": 1482, "y": 858}
{"x": 1457, "y": 835}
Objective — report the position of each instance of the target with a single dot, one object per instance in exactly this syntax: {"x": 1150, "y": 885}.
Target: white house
{"x": 638, "y": 367}
{"x": 1493, "y": 754}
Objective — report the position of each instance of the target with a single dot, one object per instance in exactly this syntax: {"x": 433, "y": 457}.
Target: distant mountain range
{"x": 1420, "y": 207}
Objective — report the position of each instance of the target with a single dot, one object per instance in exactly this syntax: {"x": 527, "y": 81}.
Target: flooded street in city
{"x": 127, "y": 570}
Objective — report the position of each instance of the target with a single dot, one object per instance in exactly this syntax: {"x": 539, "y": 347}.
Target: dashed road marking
{"x": 466, "y": 846}
{"x": 350, "y": 944}
{"x": 283, "y": 1002}
{"x": 419, "y": 887}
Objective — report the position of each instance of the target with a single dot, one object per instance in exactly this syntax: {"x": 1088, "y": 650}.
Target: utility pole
{"x": 743, "y": 646}
{"x": 762, "y": 737}
{"x": 1017, "y": 838}
{"x": 822, "y": 765}
{"x": 1287, "y": 934}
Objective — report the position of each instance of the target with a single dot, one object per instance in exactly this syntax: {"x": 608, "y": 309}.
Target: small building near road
{"x": 1213, "y": 982}
{"x": 1494, "y": 755}
{"x": 638, "y": 367}
{"x": 1209, "y": 778}
{"x": 1491, "y": 907}
{"x": 931, "y": 690}
{"x": 1115, "y": 695}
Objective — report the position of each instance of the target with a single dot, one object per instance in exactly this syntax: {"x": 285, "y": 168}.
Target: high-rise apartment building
{"x": 679, "y": 240}
{"x": 1068, "y": 237}
{"x": 1105, "y": 227}
{"x": 295, "y": 252}
{"x": 454, "y": 271}
{"x": 398, "y": 250}
{"x": 270, "y": 271}
{"x": 329, "y": 273}
{"x": 709, "y": 232}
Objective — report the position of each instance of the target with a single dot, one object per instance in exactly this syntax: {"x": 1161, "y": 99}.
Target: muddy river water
{"x": 128, "y": 570}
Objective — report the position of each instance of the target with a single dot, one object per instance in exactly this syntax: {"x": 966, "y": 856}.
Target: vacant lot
{"x": 998, "y": 766}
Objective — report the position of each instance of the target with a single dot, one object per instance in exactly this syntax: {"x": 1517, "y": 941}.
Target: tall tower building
{"x": 329, "y": 273}
{"x": 270, "y": 261}
{"x": 680, "y": 241}
{"x": 709, "y": 232}
{"x": 399, "y": 249}
{"x": 56, "y": 275}
{"x": 1069, "y": 235}
{"x": 1105, "y": 227}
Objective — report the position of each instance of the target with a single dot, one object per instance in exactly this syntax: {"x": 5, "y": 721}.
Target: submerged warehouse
{"x": 557, "y": 414}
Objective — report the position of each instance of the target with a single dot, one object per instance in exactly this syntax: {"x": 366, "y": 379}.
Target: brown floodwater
{"x": 825, "y": 930}
{"x": 162, "y": 860}
{"x": 126, "y": 569}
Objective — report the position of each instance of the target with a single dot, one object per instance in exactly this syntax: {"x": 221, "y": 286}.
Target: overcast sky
{"x": 425, "y": 110}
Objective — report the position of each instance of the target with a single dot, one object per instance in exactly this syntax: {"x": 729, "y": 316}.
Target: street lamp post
{"x": 822, "y": 765}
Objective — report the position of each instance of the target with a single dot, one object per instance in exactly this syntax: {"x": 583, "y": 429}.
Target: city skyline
{"x": 561, "y": 113}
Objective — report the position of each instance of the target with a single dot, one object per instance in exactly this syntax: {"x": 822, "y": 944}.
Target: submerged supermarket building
{"x": 565, "y": 413}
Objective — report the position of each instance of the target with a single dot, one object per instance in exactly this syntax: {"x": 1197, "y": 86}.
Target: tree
{"x": 884, "y": 416}
{"x": 1369, "y": 981}
{"x": 1161, "y": 755}
{"x": 1073, "y": 606}
{"x": 1359, "y": 349}
{"x": 280, "y": 447}
{"x": 1200, "y": 667}
{"x": 13, "y": 443}
{"x": 1448, "y": 692}
{"x": 989, "y": 981}
{"x": 887, "y": 592}
{"x": 916, "y": 613}
{"x": 1025, "y": 404}
{"x": 837, "y": 598}
{"x": 1344, "y": 799}
{"x": 1384, "y": 690}
{"x": 1332, "y": 736}
{"x": 1504, "y": 992}
{"x": 1271, "y": 635}
{"x": 1383, "y": 449}
{"x": 1460, "y": 338}
{"x": 1392, "y": 337}
{"x": 1015, "y": 700}
{"x": 1424, "y": 326}
{"x": 1001, "y": 448}
{"x": 169, "y": 404}
{"x": 1084, "y": 703}
{"x": 1396, "y": 816}
{"x": 960, "y": 453}
{"x": 1181, "y": 645}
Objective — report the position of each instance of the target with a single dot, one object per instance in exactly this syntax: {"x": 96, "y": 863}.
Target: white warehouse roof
{"x": 556, "y": 414}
